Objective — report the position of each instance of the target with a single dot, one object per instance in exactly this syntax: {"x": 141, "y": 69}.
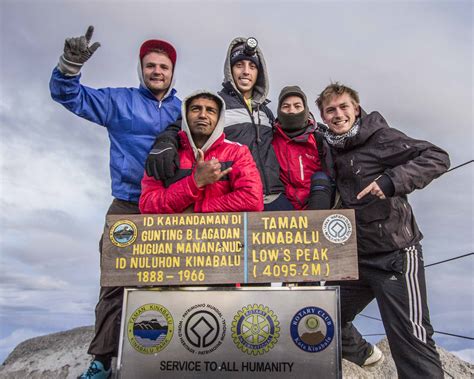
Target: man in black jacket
{"x": 248, "y": 121}
{"x": 377, "y": 167}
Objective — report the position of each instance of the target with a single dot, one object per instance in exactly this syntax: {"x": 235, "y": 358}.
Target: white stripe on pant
{"x": 415, "y": 301}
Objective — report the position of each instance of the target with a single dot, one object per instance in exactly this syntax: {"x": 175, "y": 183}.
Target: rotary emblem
{"x": 312, "y": 329}
{"x": 255, "y": 329}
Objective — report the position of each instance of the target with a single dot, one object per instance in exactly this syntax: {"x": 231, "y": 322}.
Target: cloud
{"x": 465, "y": 354}
{"x": 412, "y": 61}
{"x": 12, "y": 281}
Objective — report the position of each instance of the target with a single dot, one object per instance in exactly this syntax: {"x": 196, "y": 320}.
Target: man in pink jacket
{"x": 215, "y": 175}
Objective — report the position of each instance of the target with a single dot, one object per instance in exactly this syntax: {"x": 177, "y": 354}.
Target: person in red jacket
{"x": 302, "y": 152}
{"x": 215, "y": 175}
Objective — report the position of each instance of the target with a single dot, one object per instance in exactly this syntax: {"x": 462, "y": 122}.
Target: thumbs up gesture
{"x": 208, "y": 172}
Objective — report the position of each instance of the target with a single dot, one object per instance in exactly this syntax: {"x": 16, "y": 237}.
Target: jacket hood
{"x": 369, "y": 125}
{"x": 142, "y": 81}
{"x": 219, "y": 127}
{"x": 260, "y": 90}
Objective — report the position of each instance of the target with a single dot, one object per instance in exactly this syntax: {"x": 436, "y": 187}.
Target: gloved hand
{"x": 163, "y": 160}
{"x": 76, "y": 52}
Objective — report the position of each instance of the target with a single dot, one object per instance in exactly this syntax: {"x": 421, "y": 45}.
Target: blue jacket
{"x": 133, "y": 118}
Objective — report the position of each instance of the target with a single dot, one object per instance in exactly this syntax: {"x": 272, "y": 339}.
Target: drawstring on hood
{"x": 219, "y": 129}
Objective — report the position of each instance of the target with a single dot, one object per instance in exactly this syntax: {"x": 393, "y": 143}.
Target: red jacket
{"x": 241, "y": 190}
{"x": 299, "y": 159}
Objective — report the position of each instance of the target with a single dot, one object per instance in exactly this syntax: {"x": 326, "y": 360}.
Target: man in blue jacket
{"x": 133, "y": 118}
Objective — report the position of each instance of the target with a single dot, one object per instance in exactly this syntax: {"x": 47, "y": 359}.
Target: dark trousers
{"x": 397, "y": 281}
{"x": 281, "y": 203}
{"x": 108, "y": 310}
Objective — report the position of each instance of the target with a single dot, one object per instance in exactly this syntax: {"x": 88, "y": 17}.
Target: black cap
{"x": 239, "y": 54}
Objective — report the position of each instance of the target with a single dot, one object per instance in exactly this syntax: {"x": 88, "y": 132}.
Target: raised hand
{"x": 208, "y": 172}
{"x": 76, "y": 52}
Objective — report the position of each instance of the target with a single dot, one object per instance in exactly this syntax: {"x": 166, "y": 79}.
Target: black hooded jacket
{"x": 385, "y": 225}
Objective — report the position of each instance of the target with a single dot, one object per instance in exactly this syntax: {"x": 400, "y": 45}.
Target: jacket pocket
{"x": 375, "y": 211}
{"x": 404, "y": 226}
{"x": 373, "y": 216}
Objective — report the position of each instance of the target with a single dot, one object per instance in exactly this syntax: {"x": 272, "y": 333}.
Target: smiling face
{"x": 157, "y": 73}
{"x": 245, "y": 75}
{"x": 339, "y": 113}
{"x": 202, "y": 115}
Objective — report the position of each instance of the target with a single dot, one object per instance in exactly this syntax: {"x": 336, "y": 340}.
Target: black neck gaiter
{"x": 293, "y": 124}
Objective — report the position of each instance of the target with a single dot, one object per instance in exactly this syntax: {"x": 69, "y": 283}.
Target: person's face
{"x": 157, "y": 73}
{"x": 202, "y": 116}
{"x": 292, "y": 104}
{"x": 245, "y": 75}
{"x": 339, "y": 113}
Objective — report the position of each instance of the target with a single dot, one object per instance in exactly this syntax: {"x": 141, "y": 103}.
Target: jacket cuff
{"x": 69, "y": 68}
{"x": 386, "y": 185}
{"x": 193, "y": 185}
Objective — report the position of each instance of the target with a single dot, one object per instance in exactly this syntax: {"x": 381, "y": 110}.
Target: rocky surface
{"x": 64, "y": 355}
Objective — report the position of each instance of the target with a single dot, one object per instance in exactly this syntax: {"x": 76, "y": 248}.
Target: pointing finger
{"x": 365, "y": 191}
{"x": 90, "y": 31}
{"x": 94, "y": 47}
{"x": 225, "y": 172}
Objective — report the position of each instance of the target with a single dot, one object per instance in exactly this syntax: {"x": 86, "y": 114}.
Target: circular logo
{"x": 123, "y": 233}
{"x": 150, "y": 328}
{"x": 312, "y": 329}
{"x": 202, "y": 329}
{"x": 337, "y": 228}
{"x": 255, "y": 329}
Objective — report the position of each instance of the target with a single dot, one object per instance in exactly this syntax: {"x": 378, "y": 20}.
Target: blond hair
{"x": 336, "y": 89}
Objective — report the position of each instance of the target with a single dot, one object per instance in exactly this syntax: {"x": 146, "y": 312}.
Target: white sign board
{"x": 204, "y": 332}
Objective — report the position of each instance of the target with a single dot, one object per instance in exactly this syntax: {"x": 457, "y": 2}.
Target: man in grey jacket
{"x": 377, "y": 167}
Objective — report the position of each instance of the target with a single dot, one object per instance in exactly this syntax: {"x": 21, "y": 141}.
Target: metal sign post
{"x": 204, "y": 332}
{"x": 208, "y": 332}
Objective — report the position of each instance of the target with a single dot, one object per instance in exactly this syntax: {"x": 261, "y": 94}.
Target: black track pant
{"x": 397, "y": 281}
{"x": 108, "y": 310}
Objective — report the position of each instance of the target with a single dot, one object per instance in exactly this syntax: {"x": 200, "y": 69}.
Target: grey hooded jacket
{"x": 253, "y": 129}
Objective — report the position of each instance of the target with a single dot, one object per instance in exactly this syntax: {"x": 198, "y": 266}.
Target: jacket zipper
{"x": 257, "y": 129}
{"x": 301, "y": 167}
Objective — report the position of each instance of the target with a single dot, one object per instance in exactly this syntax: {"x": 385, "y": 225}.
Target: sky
{"x": 410, "y": 60}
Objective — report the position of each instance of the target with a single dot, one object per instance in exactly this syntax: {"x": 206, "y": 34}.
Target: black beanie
{"x": 238, "y": 54}
{"x": 297, "y": 121}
